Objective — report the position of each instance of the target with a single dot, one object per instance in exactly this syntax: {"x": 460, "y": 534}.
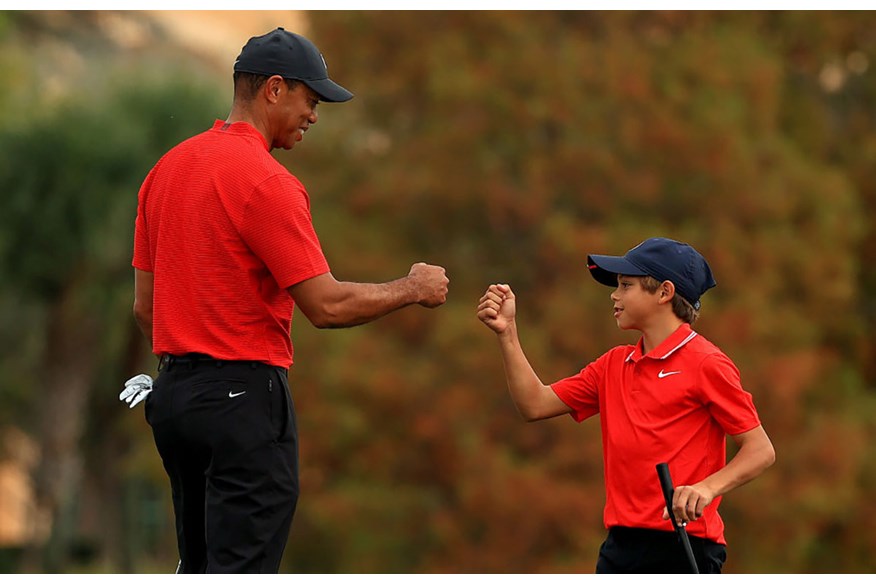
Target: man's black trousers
{"x": 227, "y": 436}
{"x": 629, "y": 550}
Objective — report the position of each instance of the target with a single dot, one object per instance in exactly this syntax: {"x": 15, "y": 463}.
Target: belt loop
{"x": 253, "y": 365}
{"x": 219, "y": 363}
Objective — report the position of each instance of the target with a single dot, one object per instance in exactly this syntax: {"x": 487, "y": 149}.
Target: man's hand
{"x": 497, "y": 307}
{"x": 136, "y": 389}
{"x": 431, "y": 282}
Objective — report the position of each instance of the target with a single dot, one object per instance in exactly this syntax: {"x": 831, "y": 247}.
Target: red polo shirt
{"x": 676, "y": 405}
{"x": 225, "y": 229}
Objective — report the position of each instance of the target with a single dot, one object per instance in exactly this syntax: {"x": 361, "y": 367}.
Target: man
{"x": 224, "y": 250}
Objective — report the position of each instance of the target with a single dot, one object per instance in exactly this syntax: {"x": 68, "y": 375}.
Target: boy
{"x": 673, "y": 397}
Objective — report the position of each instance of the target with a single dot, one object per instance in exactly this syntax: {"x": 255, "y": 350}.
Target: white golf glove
{"x": 136, "y": 389}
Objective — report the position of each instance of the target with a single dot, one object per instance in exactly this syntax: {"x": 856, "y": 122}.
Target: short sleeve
{"x": 581, "y": 392}
{"x": 278, "y": 228}
{"x": 722, "y": 393}
{"x": 142, "y": 250}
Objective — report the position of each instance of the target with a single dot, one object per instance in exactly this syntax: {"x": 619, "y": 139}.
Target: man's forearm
{"x": 358, "y": 303}
{"x": 144, "y": 285}
{"x": 145, "y": 324}
{"x": 328, "y": 303}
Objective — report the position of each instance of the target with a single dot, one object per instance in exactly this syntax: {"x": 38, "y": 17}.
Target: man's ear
{"x": 272, "y": 88}
{"x": 666, "y": 291}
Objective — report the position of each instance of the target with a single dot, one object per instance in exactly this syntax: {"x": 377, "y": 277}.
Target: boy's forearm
{"x": 524, "y": 384}
{"x": 755, "y": 455}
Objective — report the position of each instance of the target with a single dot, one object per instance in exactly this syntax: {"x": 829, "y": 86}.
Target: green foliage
{"x": 70, "y": 177}
{"x": 73, "y": 162}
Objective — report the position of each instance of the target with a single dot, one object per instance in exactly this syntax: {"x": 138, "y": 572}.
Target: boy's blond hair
{"x": 680, "y": 307}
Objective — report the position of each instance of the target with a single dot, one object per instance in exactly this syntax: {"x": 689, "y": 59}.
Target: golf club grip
{"x": 668, "y": 489}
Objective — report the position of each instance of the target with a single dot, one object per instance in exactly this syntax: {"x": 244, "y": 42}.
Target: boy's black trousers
{"x": 629, "y": 550}
{"x": 227, "y": 436}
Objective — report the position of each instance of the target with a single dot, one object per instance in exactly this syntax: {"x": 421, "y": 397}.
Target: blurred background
{"x": 504, "y": 146}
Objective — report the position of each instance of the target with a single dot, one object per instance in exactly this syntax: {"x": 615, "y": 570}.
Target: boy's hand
{"x": 689, "y": 502}
{"x": 497, "y": 308}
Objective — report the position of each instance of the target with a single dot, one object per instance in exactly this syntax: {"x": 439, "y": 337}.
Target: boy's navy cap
{"x": 660, "y": 258}
{"x": 290, "y": 56}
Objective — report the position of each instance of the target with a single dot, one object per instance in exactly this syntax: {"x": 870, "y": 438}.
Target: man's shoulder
{"x": 191, "y": 141}
{"x": 183, "y": 152}
{"x": 238, "y": 153}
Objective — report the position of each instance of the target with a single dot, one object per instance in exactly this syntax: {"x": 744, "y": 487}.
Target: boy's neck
{"x": 658, "y": 331}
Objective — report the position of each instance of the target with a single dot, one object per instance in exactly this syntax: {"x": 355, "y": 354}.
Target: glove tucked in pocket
{"x": 136, "y": 389}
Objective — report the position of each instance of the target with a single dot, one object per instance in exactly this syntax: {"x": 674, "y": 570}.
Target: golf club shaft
{"x": 668, "y": 490}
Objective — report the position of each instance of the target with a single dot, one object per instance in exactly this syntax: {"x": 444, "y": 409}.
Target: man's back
{"x": 226, "y": 230}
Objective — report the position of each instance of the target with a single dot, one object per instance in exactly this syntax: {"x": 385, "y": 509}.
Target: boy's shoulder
{"x": 704, "y": 352}
{"x": 701, "y": 344}
{"x": 619, "y": 352}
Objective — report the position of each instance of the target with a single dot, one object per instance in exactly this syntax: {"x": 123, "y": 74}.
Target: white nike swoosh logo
{"x": 663, "y": 374}
{"x": 232, "y": 394}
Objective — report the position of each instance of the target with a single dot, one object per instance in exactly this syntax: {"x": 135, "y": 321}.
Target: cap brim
{"x": 605, "y": 269}
{"x": 328, "y": 90}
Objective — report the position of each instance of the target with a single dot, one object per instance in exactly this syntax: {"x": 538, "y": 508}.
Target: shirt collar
{"x": 240, "y": 129}
{"x": 679, "y": 338}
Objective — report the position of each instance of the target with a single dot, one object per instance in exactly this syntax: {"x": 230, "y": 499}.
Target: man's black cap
{"x": 660, "y": 258}
{"x": 290, "y": 56}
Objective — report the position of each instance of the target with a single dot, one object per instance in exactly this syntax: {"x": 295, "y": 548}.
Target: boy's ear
{"x": 666, "y": 291}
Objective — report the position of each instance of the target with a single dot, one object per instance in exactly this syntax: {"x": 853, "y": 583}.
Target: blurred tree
{"x": 505, "y": 146}
{"x": 508, "y": 145}
{"x": 70, "y": 174}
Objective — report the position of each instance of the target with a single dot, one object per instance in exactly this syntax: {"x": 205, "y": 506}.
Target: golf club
{"x": 668, "y": 490}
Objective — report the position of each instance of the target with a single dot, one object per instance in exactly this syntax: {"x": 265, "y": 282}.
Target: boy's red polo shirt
{"x": 676, "y": 404}
{"x": 225, "y": 229}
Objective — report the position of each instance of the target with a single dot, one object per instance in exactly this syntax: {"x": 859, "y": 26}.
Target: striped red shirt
{"x": 676, "y": 404}
{"x": 225, "y": 229}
